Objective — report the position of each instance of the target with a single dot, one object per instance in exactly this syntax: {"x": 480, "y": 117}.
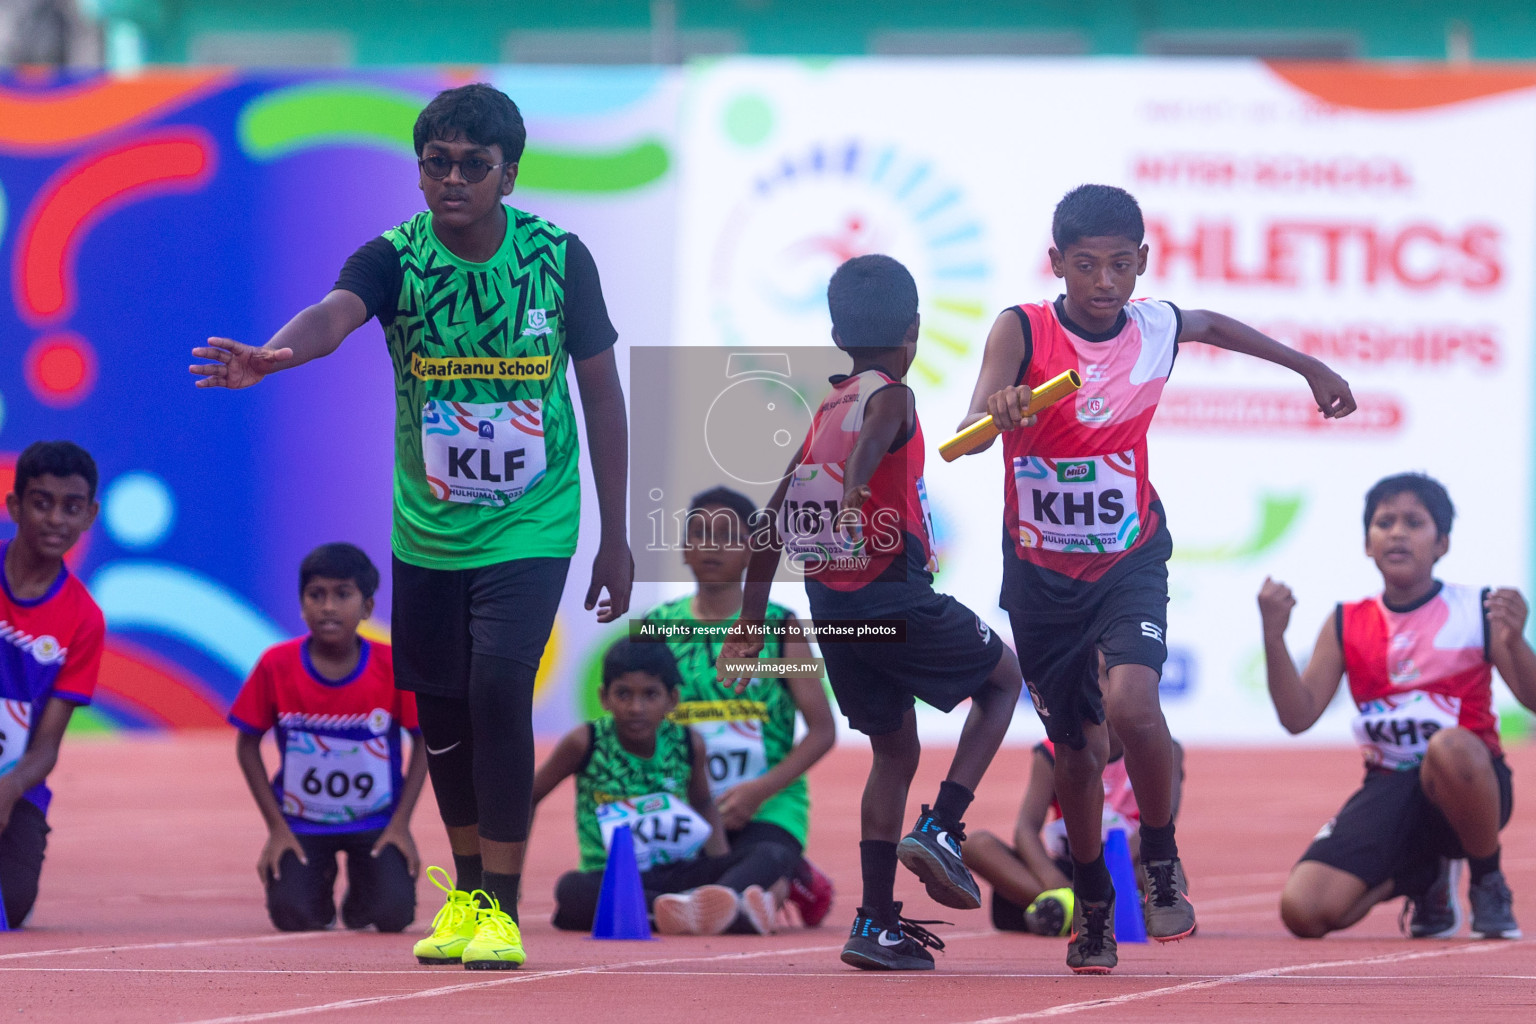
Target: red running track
{"x": 151, "y": 911}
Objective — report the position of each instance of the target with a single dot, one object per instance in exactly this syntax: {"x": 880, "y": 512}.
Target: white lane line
{"x": 518, "y": 978}
{"x": 179, "y": 944}
{"x": 1233, "y": 979}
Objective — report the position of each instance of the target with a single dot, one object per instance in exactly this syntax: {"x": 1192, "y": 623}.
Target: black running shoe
{"x": 871, "y": 947}
{"x": 931, "y": 851}
{"x": 1493, "y": 908}
{"x": 1437, "y": 914}
{"x": 1092, "y": 949}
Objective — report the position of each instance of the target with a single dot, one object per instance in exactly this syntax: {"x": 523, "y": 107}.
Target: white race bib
{"x": 330, "y": 781}
{"x": 1394, "y": 731}
{"x": 15, "y": 728}
{"x": 1086, "y": 504}
{"x": 809, "y": 517}
{"x": 1053, "y": 835}
{"x": 666, "y": 829}
{"x": 483, "y": 454}
{"x": 735, "y": 752}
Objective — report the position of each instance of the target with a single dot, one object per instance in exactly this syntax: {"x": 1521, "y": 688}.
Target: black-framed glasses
{"x": 472, "y": 169}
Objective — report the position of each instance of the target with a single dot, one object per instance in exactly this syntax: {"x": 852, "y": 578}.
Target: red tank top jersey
{"x": 1076, "y": 493}
{"x": 836, "y": 551}
{"x": 1414, "y": 672}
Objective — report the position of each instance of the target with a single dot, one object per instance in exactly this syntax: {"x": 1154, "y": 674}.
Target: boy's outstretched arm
{"x": 1507, "y": 646}
{"x": 885, "y": 418}
{"x": 602, "y": 404}
{"x": 740, "y": 802}
{"x": 317, "y": 330}
{"x": 280, "y": 838}
{"x": 1001, "y": 363}
{"x": 1299, "y": 698}
{"x": 699, "y": 799}
{"x": 41, "y": 756}
{"x": 1330, "y": 390}
{"x": 398, "y": 831}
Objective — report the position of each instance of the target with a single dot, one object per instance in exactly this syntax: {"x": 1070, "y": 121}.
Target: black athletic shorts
{"x": 22, "y": 846}
{"x": 441, "y": 618}
{"x": 946, "y": 657}
{"x": 1390, "y": 829}
{"x": 1060, "y": 625}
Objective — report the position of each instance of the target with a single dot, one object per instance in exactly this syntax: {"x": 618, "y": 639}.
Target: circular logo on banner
{"x": 812, "y": 210}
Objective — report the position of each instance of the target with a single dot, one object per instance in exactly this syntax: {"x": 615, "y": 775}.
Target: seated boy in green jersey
{"x": 756, "y": 769}
{"x": 636, "y": 767}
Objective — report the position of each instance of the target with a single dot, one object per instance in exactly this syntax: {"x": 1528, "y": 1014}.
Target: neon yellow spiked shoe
{"x": 453, "y": 926}
{"x": 498, "y": 944}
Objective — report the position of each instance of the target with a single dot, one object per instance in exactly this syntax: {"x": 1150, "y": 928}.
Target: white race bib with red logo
{"x": 483, "y": 453}
{"x": 331, "y": 781}
{"x": 15, "y": 728}
{"x": 1086, "y": 504}
{"x": 1394, "y": 731}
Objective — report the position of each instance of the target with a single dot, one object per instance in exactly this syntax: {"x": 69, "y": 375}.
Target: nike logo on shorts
{"x": 445, "y": 749}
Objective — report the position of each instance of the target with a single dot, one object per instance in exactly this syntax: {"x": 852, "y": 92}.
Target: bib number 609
{"x": 336, "y": 784}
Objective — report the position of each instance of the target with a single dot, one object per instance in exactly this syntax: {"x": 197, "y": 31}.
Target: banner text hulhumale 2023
{"x": 1381, "y": 220}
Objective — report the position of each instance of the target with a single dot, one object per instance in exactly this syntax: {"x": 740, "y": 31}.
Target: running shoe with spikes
{"x": 931, "y": 851}
{"x": 1493, "y": 908}
{"x": 1091, "y": 948}
{"x": 1165, "y": 903}
{"x": 1050, "y": 913}
{"x": 498, "y": 942}
{"x": 707, "y": 910}
{"x": 872, "y": 946}
{"x": 811, "y": 891}
{"x": 1436, "y": 914}
{"x": 453, "y": 926}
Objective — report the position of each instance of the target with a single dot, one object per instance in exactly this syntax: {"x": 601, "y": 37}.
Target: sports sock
{"x": 1158, "y": 843}
{"x": 952, "y": 803}
{"x": 503, "y": 889}
{"x": 467, "y": 871}
{"x": 1479, "y": 867}
{"x": 1091, "y": 881}
{"x": 877, "y": 859}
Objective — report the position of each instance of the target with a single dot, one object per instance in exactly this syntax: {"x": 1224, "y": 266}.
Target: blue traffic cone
{"x": 1130, "y": 924}
{"x": 621, "y": 902}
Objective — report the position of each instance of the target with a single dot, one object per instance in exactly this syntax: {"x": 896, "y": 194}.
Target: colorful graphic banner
{"x": 1382, "y": 221}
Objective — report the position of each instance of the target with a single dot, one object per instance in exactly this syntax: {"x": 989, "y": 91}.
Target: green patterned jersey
{"x": 745, "y": 734}
{"x": 612, "y": 777}
{"x": 485, "y": 439}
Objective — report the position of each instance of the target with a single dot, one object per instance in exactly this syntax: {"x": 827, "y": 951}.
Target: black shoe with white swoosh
{"x": 873, "y": 947}
{"x": 931, "y": 851}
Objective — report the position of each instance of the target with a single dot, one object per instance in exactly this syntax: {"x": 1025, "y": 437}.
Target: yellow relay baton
{"x": 984, "y": 430}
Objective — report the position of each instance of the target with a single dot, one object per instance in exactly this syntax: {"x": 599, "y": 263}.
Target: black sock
{"x": 1479, "y": 867}
{"x": 467, "y": 871}
{"x": 1158, "y": 843}
{"x": 954, "y": 799}
{"x": 1091, "y": 881}
{"x": 502, "y": 889}
{"x": 877, "y": 859}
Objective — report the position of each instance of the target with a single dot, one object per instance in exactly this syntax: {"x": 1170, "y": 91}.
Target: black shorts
{"x": 948, "y": 654}
{"x": 440, "y": 618}
{"x": 1059, "y": 627}
{"x": 1390, "y": 829}
{"x": 22, "y": 846}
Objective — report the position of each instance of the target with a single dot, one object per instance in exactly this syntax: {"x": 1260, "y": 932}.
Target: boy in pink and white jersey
{"x": 1420, "y": 657}
{"x": 1086, "y": 546}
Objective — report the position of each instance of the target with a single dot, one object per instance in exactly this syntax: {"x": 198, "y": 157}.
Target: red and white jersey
{"x": 50, "y": 646}
{"x": 339, "y": 739}
{"x": 1415, "y": 672}
{"x": 1120, "y": 810}
{"x": 1076, "y": 492}
{"x": 836, "y": 551}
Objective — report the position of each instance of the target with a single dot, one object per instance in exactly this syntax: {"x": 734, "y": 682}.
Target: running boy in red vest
{"x": 1420, "y": 658}
{"x": 1086, "y": 550}
{"x": 856, "y": 524}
